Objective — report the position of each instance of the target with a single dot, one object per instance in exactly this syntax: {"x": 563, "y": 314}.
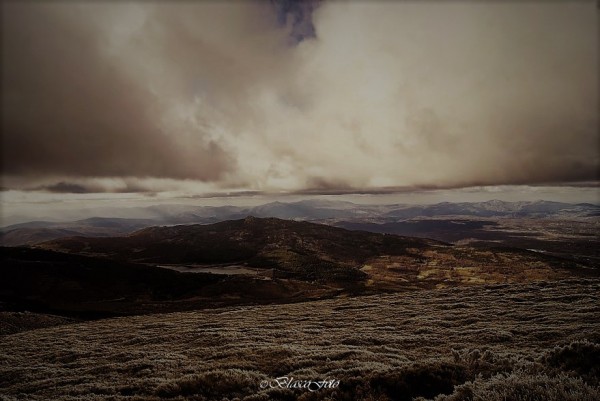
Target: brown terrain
{"x": 203, "y": 312}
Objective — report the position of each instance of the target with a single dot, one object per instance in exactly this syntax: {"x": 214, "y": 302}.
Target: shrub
{"x": 580, "y": 357}
{"x": 418, "y": 380}
{"x": 235, "y": 382}
{"x": 522, "y": 386}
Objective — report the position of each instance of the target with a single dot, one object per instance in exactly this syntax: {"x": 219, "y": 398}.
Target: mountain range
{"x": 345, "y": 214}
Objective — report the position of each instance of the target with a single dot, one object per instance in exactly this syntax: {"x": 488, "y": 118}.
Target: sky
{"x": 183, "y": 100}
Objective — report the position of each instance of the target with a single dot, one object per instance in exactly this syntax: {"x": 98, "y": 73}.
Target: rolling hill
{"x": 396, "y": 219}
{"x": 251, "y": 260}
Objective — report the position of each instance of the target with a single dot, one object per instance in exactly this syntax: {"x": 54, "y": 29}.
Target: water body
{"x": 220, "y": 269}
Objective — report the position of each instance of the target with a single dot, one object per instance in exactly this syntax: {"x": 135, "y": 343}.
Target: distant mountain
{"x": 316, "y": 210}
{"x": 497, "y": 208}
{"x": 39, "y": 231}
{"x": 304, "y": 210}
{"x": 30, "y": 236}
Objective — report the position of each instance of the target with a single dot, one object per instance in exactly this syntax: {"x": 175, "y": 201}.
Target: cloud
{"x": 69, "y": 187}
{"x": 69, "y": 107}
{"x": 93, "y": 186}
{"x": 288, "y": 96}
{"x": 297, "y": 15}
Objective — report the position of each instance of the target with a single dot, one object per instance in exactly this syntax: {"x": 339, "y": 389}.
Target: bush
{"x": 418, "y": 380}
{"x": 234, "y": 382}
{"x": 580, "y": 357}
{"x": 523, "y": 386}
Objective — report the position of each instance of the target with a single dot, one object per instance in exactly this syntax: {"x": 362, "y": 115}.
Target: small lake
{"x": 220, "y": 269}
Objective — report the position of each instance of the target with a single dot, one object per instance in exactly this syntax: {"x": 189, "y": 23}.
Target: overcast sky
{"x": 322, "y": 97}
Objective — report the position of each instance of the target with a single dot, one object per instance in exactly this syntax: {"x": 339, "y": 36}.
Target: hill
{"x": 251, "y": 260}
{"x": 39, "y": 231}
{"x": 294, "y": 249}
{"x": 320, "y": 253}
{"x": 87, "y": 287}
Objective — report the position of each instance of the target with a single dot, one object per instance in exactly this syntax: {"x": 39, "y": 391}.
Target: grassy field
{"x": 538, "y": 341}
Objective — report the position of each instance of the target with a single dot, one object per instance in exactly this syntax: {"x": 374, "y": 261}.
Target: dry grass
{"x": 14, "y": 322}
{"x": 511, "y": 341}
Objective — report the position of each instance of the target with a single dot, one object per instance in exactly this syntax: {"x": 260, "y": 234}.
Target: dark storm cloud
{"x": 237, "y": 194}
{"x": 68, "y": 107}
{"x": 372, "y": 97}
{"x": 69, "y": 187}
{"x": 298, "y": 15}
{"x": 333, "y": 190}
{"x": 84, "y": 187}
{"x": 326, "y": 184}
